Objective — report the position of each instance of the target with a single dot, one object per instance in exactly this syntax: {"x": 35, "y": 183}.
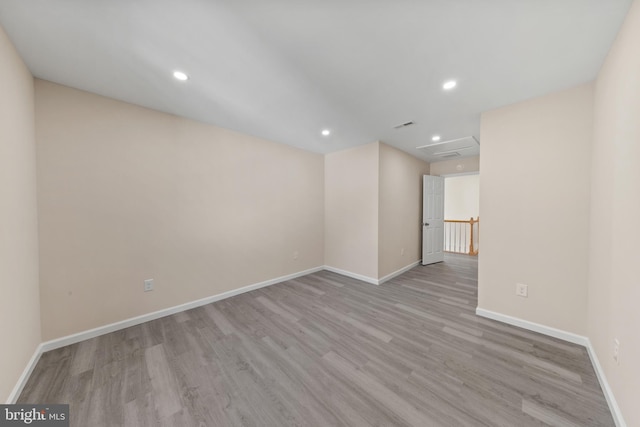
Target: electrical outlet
{"x": 522, "y": 290}
{"x": 295, "y": 254}
{"x": 616, "y": 351}
{"x": 148, "y": 285}
{"x": 402, "y": 252}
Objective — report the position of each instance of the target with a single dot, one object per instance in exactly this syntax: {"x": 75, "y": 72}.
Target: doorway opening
{"x": 451, "y": 216}
{"x": 462, "y": 214}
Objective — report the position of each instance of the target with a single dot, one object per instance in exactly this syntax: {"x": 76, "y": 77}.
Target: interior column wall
{"x": 351, "y": 210}
{"x": 400, "y": 218}
{"x": 20, "y": 300}
{"x": 534, "y": 198}
{"x": 614, "y": 270}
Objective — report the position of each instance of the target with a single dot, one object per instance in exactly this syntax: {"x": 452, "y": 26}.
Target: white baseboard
{"x": 397, "y": 272}
{"x": 608, "y": 393}
{"x": 572, "y": 338}
{"x": 535, "y": 327}
{"x": 22, "y": 381}
{"x": 352, "y": 275}
{"x": 371, "y": 279}
{"x": 112, "y": 327}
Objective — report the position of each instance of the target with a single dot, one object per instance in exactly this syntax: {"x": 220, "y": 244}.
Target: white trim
{"x": 101, "y": 330}
{"x": 353, "y": 275}
{"x": 371, "y": 279}
{"x": 608, "y": 393}
{"x": 535, "y": 327}
{"x": 398, "y": 272}
{"x": 572, "y": 338}
{"x": 22, "y": 381}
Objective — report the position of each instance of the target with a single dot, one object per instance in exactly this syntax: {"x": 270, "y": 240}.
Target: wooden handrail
{"x": 471, "y": 222}
{"x": 472, "y": 249}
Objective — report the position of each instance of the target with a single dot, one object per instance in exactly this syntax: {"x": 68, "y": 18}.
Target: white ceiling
{"x": 284, "y": 70}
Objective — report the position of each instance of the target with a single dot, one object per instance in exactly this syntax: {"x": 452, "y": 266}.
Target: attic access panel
{"x": 461, "y": 147}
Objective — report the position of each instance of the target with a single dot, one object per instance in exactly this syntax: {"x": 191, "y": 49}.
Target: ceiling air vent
{"x": 403, "y": 125}
{"x": 450, "y": 155}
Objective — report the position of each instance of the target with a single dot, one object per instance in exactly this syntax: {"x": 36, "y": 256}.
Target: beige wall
{"x": 373, "y": 207}
{"x": 534, "y": 199}
{"x": 400, "y": 213}
{"x": 614, "y": 273}
{"x": 462, "y": 197}
{"x": 126, "y": 194}
{"x": 20, "y": 301}
{"x": 351, "y": 210}
{"x": 456, "y": 166}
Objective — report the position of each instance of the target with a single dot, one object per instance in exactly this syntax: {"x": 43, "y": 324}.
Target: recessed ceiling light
{"x": 449, "y": 85}
{"x": 179, "y": 75}
{"x": 326, "y": 132}
{"x": 435, "y": 138}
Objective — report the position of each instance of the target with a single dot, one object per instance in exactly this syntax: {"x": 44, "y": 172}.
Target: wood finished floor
{"x": 326, "y": 350}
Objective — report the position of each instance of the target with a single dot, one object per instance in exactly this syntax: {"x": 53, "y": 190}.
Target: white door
{"x": 432, "y": 219}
